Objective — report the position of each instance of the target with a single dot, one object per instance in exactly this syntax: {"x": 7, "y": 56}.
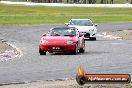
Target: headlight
{"x": 44, "y": 41}
{"x": 69, "y": 42}
{"x": 92, "y": 30}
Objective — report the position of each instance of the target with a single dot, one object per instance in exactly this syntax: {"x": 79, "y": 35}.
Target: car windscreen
{"x": 62, "y": 32}
{"x": 81, "y": 23}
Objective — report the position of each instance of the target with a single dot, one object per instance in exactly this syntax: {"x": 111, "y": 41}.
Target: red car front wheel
{"x": 42, "y": 52}
{"x": 82, "y": 50}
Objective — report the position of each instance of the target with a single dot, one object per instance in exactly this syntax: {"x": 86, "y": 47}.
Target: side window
{"x": 73, "y": 22}
{"x": 48, "y": 33}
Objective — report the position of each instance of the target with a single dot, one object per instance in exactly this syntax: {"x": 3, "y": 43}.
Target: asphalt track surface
{"x": 102, "y": 56}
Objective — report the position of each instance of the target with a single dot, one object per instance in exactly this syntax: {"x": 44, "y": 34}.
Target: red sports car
{"x": 62, "y": 39}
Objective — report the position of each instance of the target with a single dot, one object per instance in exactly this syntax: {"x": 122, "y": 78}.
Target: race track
{"x": 102, "y": 56}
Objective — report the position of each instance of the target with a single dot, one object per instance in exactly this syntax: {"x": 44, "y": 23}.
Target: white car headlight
{"x": 44, "y": 41}
{"x": 92, "y": 30}
{"x": 69, "y": 42}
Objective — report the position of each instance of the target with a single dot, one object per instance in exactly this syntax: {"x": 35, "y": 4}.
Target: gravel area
{"x": 7, "y": 51}
{"x": 125, "y": 34}
{"x": 4, "y": 46}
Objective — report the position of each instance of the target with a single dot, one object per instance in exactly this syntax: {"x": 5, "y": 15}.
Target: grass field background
{"x": 14, "y": 15}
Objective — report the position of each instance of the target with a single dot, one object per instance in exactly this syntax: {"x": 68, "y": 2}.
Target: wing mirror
{"x": 95, "y": 25}
{"x": 81, "y": 34}
{"x": 67, "y": 24}
{"x": 44, "y": 34}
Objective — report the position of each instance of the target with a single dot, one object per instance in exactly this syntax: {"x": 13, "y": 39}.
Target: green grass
{"x": 129, "y": 86}
{"x": 13, "y": 15}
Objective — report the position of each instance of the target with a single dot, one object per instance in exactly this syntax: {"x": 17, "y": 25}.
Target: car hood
{"x": 59, "y": 38}
{"x": 83, "y": 28}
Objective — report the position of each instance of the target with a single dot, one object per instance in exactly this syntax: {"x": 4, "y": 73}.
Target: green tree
{"x": 111, "y": 1}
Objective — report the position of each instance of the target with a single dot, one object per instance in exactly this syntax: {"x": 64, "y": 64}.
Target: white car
{"x": 85, "y": 26}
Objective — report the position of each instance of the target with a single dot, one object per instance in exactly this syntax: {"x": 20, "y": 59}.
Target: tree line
{"x": 78, "y": 1}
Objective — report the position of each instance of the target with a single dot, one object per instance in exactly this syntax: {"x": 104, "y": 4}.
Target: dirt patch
{"x": 125, "y": 34}
{"x": 4, "y": 46}
{"x": 7, "y": 52}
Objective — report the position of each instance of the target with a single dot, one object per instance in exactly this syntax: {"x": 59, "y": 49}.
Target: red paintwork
{"x": 60, "y": 41}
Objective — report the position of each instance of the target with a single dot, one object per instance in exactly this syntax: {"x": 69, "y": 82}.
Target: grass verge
{"x": 14, "y": 14}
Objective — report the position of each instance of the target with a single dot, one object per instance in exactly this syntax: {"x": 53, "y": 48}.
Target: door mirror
{"x": 81, "y": 34}
{"x": 95, "y": 25}
{"x": 67, "y": 24}
{"x": 44, "y": 34}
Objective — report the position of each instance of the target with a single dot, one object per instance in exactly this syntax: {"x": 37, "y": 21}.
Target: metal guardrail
{"x": 70, "y": 5}
{"x": 76, "y": 1}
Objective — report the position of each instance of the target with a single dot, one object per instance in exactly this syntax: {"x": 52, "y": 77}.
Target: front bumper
{"x": 58, "y": 48}
{"x": 89, "y": 35}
